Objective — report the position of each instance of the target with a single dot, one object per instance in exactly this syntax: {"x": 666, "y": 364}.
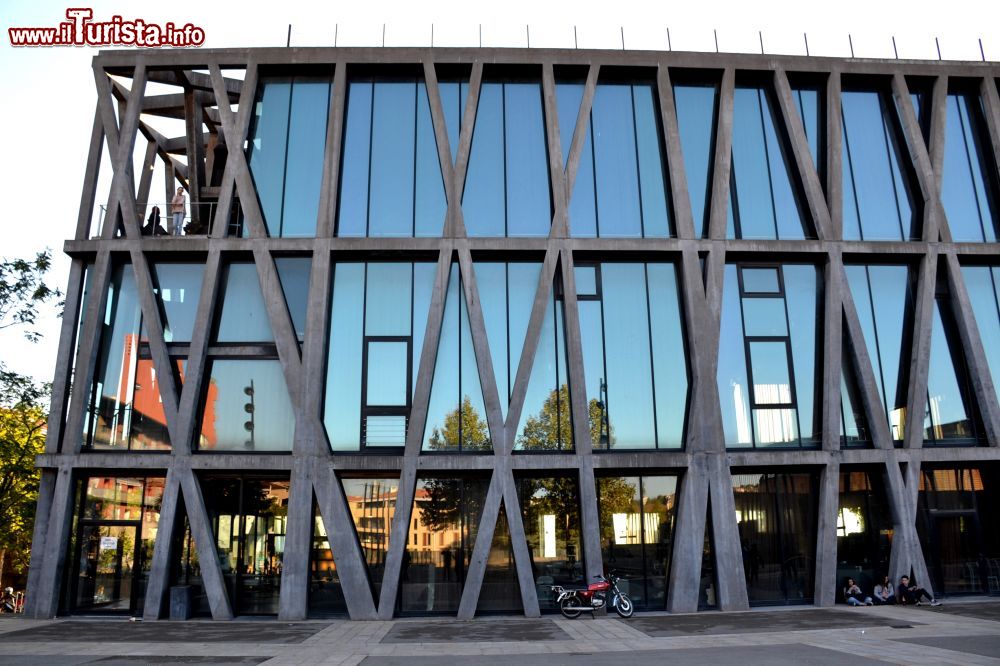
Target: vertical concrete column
{"x": 825, "y": 593}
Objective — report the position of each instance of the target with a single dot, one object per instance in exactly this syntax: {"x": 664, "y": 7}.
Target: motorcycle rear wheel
{"x": 625, "y": 607}
{"x": 570, "y": 607}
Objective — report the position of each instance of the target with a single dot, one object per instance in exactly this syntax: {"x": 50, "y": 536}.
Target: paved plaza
{"x": 966, "y": 632}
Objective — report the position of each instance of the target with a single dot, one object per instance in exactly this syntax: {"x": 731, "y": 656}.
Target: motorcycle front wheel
{"x": 570, "y": 607}
{"x": 624, "y": 606}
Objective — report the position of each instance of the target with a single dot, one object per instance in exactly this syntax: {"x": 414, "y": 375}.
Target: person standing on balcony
{"x": 177, "y": 211}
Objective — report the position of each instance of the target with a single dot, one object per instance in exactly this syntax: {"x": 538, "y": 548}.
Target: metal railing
{"x": 197, "y": 220}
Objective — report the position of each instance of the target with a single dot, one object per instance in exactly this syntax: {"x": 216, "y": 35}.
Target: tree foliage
{"x": 23, "y": 292}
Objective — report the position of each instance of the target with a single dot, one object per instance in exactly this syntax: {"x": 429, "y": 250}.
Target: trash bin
{"x": 180, "y": 602}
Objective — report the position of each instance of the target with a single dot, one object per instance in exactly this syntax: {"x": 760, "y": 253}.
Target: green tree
{"x": 462, "y": 424}
{"x": 23, "y": 297}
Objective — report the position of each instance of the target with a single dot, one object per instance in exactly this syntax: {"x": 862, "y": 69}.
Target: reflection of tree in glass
{"x": 551, "y": 428}
{"x": 463, "y": 429}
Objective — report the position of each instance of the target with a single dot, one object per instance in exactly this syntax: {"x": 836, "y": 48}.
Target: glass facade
{"x": 776, "y": 516}
{"x": 864, "y": 529}
{"x": 620, "y": 188}
{"x": 879, "y": 199}
{"x": 116, "y": 524}
{"x": 637, "y": 522}
{"x": 956, "y": 520}
{"x": 391, "y": 182}
{"x": 550, "y": 508}
{"x": 983, "y": 286}
{"x": 764, "y": 197}
{"x": 285, "y": 152}
{"x": 950, "y": 417}
{"x": 770, "y": 334}
{"x": 633, "y": 355}
{"x": 507, "y": 186}
{"x": 969, "y": 180}
{"x": 697, "y": 112}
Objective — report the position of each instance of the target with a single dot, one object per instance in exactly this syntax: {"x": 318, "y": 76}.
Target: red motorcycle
{"x": 573, "y": 602}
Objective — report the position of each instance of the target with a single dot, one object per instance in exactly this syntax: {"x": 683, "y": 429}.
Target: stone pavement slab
{"x": 773, "y": 655}
{"x": 987, "y": 646}
{"x": 122, "y": 631}
{"x": 662, "y": 626}
{"x": 986, "y": 610}
{"x": 455, "y": 631}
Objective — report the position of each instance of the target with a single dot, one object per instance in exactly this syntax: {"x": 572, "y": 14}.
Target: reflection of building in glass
{"x": 465, "y": 324}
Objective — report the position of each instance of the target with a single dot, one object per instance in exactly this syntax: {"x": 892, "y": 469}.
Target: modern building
{"x": 449, "y": 326}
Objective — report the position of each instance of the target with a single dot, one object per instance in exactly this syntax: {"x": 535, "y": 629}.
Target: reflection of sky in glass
{"x": 695, "y": 120}
{"x": 293, "y": 273}
{"x": 947, "y": 412}
{"x": 964, "y": 192}
{"x": 983, "y": 286}
{"x": 177, "y": 289}
{"x": 808, "y": 102}
{"x": 273, "y": 419}
{"x": 244, "y": 316}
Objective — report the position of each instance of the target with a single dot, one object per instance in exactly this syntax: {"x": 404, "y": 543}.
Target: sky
{"x": 49, "y": 94}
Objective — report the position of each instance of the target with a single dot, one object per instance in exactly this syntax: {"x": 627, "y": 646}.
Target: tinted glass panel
{"x": 550, "y": 508}
{"x": 983, "y": 286}
{"x": 293, "y": 272}
{"x": 372, "y": 503}
{"x": 696, "y": 107}
{"x": 878, "y": 204}
{"x": 246, "y": 408}
{"x": 177, "y": 288}
{"x": 864, "y": 532}
{"x": 968, "y": 186}
{"x": 807, "y": 101}
{"x": 244, "y": 316}
{"x": 950, "y": 409}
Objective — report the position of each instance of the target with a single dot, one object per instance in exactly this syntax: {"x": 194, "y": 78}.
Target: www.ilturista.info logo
{"x": 81, "y": 30}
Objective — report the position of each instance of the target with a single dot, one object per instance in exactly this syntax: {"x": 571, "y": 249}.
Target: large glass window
{"x": 286, "y": 148}
{"x": 697, "y": 111}
{"x": 244, "y": 316}
{"x": 456, "y": 414}
{"x": 879, "y": 202}
{"x": 247, "y": 407}
{"x": 391, "y": 182}
{"x": 956, "y": 521}
{"x": 126, "y": 410}
{"x": 379, "y": 315}
{"x": 177, "y": 288}
{"x": 117, "y": 521}
{"x": 808, "y": 101}
{"x": 551, "y": 512}
{"x": 776, "y": 517}
{"x": 249, "y": 517}
{"x": 439, "y": 543}
{"x": 633, "y": 355}
{"x": 864, "y": 529}
{"x": 969, "y": 181}
{"x": 546, "y": 423}
{"x": 507, "y": 186}
{"x": 768, "y": 363}
{"x": 620, "y": 187}
{"x": 983, "y": 286}
{"x": 293, "y": 273}
{"x": 764, "y": 197}
{"x": 637, "y": 522}
{"x": 883, "y": 299}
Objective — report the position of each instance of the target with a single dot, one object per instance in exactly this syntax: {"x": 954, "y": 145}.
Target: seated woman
{"x": 854, "y": 596}
{"x": 884, "y": 592}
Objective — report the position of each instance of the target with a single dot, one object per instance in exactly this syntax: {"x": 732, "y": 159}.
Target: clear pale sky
{"x": 49, "y": 95}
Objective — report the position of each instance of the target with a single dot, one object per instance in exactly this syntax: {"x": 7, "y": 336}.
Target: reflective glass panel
{"x": 372, "y": 503}
{"x": 177, "y": 288}
{"x": 878, "y": 203}
{"x": 807, "y": 101}
{"x": 864, "y": 532}
{"x": 246, "y": 408}
{"x": 968, "y": 185}
{"x": 949, "y": 414}
{"x": 293, "y": 272}
{"x": 550, "y": 509}
{"x": 326, "y": 596}
{"x": 244, "y": 316}
{"x": 500, "y": 590}
{"x": 696, "y": 109}
{"x": 983, "y": 286}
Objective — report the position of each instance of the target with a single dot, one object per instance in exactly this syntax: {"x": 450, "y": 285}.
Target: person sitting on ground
{"x": 911, "y": 593}
{"x": 854, "y": 596}
{"x": 884, "y": 592}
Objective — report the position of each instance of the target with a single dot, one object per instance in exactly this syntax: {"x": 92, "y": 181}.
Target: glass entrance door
{"x": 107, "y": 565}
{"x": 956, "y": 540}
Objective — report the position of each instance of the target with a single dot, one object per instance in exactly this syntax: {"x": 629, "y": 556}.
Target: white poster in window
{"x": 109, "y": 543}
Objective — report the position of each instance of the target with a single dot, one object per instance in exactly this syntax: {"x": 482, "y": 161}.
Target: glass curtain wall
{"x": 636, "y": 516}
{"x": 770, "y": 336}
{"x": 620, "y": 188}
{"x": 248, "y": 517}
{"x": 633, "y": 355}
{"x": 808, "y": 100}
{"x": 115, "y": 527}
{"x": 440, "y": 539}
{"x": 376, "y": 332}
{"x": 507, "y": 186}
{"x": 956, "y": 520}
{"x": 697, "y": 116}
{"x": 776, "y": 517}
{"x": 125, "y": 410}
{"x": 391, "y": 180}
{"x": 879, "y": 197}
{"x": 763, "y": 183}
{"x": 983, "y": 286}
{"x": 969, "y": 182}
{"x": 864, "y": 530}
{"x": 550, "y": 508}
{"x": 285, "y": 152}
